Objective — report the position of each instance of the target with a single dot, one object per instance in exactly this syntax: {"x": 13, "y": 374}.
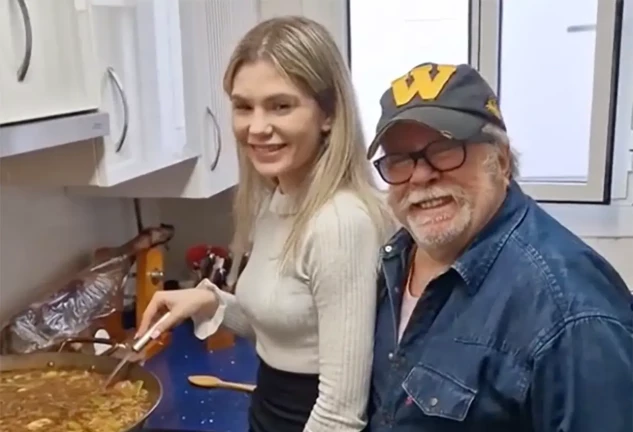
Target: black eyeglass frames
{"x": 442, "y": 155}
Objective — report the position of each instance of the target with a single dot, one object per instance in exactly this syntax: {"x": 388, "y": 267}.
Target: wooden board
{"x": 149, "y": 280}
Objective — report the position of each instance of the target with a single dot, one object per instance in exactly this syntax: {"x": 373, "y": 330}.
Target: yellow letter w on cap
{"x": 422, "y": 83}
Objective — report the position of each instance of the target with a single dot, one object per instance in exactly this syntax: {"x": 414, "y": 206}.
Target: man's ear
{"x": 505, "y": 160}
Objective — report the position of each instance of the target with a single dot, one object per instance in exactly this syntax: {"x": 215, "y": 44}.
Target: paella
{"x": 69, "y": 400}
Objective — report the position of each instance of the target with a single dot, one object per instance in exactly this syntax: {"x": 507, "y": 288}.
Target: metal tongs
{"x": 135, "y": 348}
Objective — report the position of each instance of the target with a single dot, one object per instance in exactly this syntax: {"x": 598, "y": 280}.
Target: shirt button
{"x": 388, "y": 248}
{"x": 433, "y": 402}
{"x": 390, "y": 356}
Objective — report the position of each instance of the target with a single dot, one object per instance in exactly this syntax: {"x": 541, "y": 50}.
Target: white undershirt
{"x": 320, "y": 318}
{"x": 406, "y": 310}
{"x": 408, "y": 300}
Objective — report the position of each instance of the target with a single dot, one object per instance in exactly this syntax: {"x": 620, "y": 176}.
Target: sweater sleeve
{"x": 342, "y": 257}
{"x": 229, "y": 314}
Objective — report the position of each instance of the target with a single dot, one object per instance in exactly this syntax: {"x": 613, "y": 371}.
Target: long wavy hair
{"x": 304, "y": 52}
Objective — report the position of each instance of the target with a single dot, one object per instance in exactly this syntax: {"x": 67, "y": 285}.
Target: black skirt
{"x": 282, "y": 401}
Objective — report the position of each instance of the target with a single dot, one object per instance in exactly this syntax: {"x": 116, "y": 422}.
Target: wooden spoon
{"x": 209, "y": 381}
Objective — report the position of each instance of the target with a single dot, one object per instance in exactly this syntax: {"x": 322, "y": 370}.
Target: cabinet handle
{"x": 28, "y": 41}
{"x": 126, "y": 109}
{"x": 218, "y": 147}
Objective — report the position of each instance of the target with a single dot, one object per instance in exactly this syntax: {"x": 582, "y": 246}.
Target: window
{"x": 587, "y": 156}
{"x": 623, "y": 134}
{"x": 389, "y": 37}
{"x": 553, "y": 64}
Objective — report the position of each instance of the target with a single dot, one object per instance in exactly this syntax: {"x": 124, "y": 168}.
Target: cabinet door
{"x": 213, "y": 30}
{"x": 138, "y": 46}
{"x": 48, "y": 59}
{"x": 210, "y": 31}
{"x": 227, "y": 23}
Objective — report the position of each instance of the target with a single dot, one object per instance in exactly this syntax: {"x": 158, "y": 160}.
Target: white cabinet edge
{"x": 28, "y": 137}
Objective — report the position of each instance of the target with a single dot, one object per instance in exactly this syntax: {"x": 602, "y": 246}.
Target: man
{"x": 491, "y": 315}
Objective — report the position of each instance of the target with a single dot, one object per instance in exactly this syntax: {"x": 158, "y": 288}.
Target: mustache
{"x": 416, "y": 196}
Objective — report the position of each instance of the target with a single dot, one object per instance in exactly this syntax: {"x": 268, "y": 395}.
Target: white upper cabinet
{"x": 208, "y": 107}
{"x": 140, "y": 83}
{"x": 47, "y": 59}
{"x": 210, "y": 30}
{"x": 139, "y": 50}
{"x": 160, "y": 65}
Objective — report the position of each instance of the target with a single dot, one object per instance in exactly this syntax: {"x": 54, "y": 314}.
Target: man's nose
{"x": 423, "y": 173}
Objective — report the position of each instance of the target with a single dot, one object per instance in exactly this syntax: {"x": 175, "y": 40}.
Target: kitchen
{"x": 52, "y": 219}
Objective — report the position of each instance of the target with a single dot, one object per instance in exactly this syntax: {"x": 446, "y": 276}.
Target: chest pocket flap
{"x": 437, "y": 394}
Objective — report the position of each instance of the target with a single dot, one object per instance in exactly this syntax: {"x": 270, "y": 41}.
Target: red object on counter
{"x": 195, "y": 254}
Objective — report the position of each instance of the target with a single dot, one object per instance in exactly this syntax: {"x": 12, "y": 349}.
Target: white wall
{"x": 618, "y": 251}
{"x": 45, "y": 233}
{"x": 197, "y": 221}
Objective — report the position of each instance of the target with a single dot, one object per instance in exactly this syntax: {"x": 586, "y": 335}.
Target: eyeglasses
{"x": 442, "y": 155}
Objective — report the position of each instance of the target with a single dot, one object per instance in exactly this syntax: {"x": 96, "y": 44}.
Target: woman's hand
{"x": 182, "y": 304}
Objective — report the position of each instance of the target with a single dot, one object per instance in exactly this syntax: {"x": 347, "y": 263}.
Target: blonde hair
{"x": 304, "y": 52}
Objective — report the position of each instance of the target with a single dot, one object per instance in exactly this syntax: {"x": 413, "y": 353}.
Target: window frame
{"x": 598, "y": 188}
{"x": 585, "y": 219}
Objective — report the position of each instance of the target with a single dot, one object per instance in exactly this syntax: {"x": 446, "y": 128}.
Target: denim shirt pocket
{"x": 437, "y": 394}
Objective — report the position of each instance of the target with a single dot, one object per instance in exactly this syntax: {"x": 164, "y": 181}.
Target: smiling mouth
{"x": 433, "y": 203}
{"x": 267, "y": 148}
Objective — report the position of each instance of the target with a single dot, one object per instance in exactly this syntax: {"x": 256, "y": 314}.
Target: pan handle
{"x": 113, "y": 345}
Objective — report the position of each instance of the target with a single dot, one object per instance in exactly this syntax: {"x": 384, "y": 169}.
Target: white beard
{"x": 429, "y": 231}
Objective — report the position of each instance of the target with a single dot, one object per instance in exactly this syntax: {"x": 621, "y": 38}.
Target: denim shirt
{"x": 529, "y": 330}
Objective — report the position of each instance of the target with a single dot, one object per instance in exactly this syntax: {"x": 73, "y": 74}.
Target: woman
{"x": 308, "y": 212}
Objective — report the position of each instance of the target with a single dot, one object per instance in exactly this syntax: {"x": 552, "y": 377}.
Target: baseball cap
{"x": 452, "y": 99}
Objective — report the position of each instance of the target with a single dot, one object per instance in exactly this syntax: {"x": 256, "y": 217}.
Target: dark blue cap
{"x": 452, "y": 99}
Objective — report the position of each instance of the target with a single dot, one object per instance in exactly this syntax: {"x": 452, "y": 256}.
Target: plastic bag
{"x": 77, "y": 304}
{"x": 71, "y": 310}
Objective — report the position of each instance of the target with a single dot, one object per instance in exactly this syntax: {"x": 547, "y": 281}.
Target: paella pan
{"x": 64, "y": 392}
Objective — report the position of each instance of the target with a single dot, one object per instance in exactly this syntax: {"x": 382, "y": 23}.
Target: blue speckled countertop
{"x": 185, "y": 408}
